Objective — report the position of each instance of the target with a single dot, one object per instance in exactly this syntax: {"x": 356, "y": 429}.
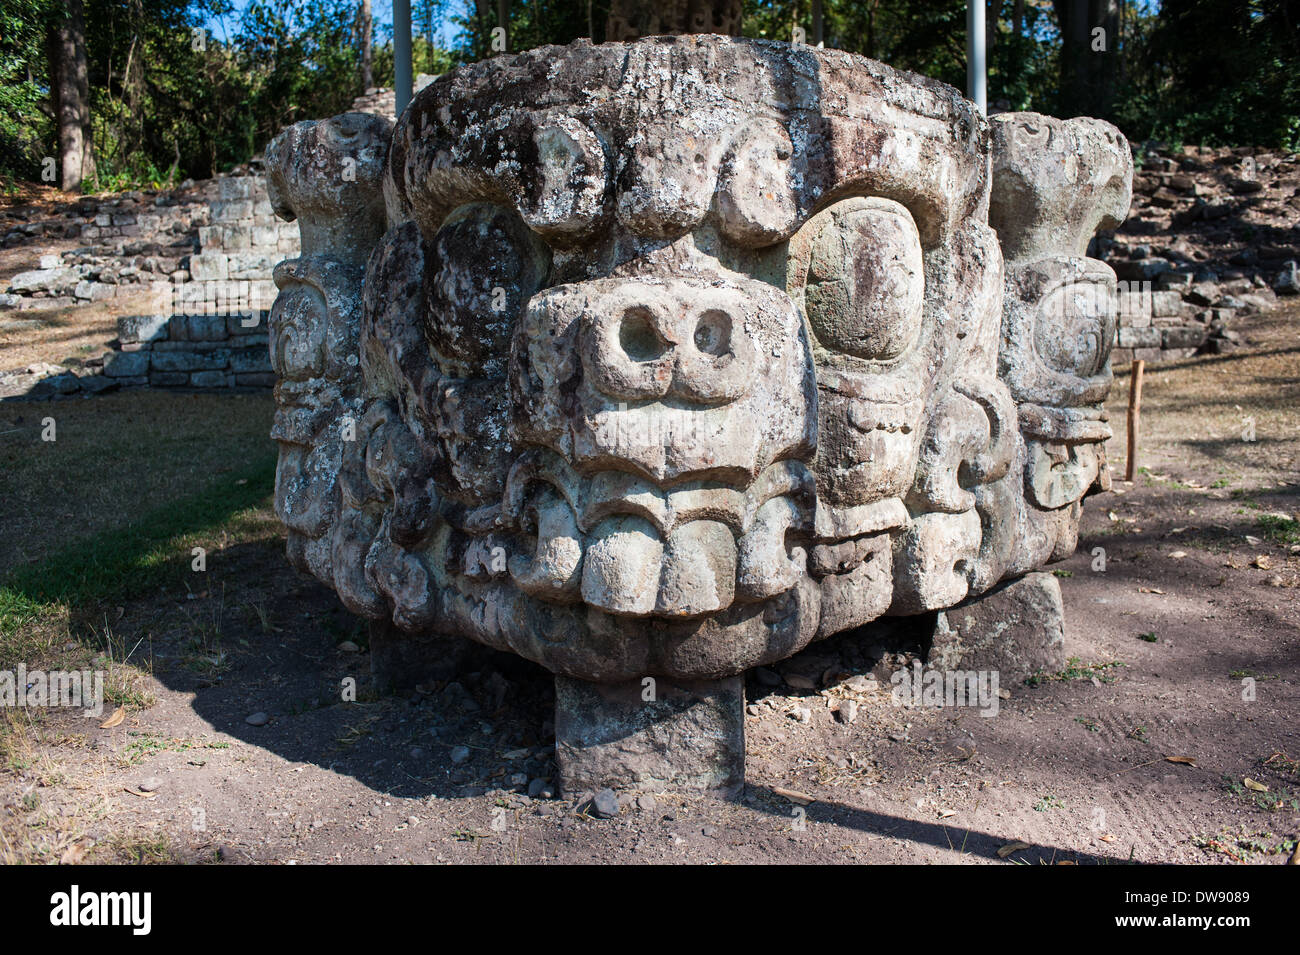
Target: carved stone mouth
{"x": 628, "y": 546}
{"x": 297, "y": 415}
{"x": 1068, "y": 425}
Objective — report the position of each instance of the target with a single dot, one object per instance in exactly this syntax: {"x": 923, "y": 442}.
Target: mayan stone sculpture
{"x": 664, "y": 359}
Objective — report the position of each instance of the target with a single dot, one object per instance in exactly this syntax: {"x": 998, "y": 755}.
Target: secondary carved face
{"x": 1056, "y": 183}
{"x": 1061, "y": 312}
{"x": 678, "y": 355}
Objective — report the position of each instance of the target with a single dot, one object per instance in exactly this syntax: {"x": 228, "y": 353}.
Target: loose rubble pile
{"x": 196, "y": 260}
{"x": 130, "y": 240}
{"x": 1213, "y": 234}
{"x": 197, "y": 236}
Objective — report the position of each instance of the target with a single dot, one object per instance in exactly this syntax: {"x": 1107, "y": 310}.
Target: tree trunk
{"x": 484, "y": 20}
{"x": 367, "y": 50}
{"x": 1089, "y": 59}
{"x": 70, "y": 92}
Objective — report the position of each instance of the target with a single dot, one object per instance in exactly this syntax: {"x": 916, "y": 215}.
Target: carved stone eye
{"x": 866, "y": 281}
{"x": 1075, "y": 326}
{"x": 485, "y": 265}
{"x": 570, "y": 183}
{"x": 299, "y": 319}
{"x": 756, "y": 202}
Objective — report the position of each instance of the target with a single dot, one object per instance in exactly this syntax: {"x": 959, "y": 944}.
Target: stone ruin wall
{"x": 196, "y": 266}
{"x": 200, "y": 260}
{"x": 205, "y": 253}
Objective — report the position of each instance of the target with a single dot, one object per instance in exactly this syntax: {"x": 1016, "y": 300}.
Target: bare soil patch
{"x": 1185, "y": 644}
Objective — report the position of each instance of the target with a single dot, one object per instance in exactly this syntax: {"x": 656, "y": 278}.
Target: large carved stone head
{"x": 679, "y": 354}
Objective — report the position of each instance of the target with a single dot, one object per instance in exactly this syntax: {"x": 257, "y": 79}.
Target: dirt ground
{"x": 1185, "y": 643}
{"x": 69, "y": 337}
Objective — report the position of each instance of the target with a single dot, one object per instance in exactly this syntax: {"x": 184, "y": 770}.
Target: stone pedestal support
{"x": 1016, "y": 628}
{"x": 655, "y": 734}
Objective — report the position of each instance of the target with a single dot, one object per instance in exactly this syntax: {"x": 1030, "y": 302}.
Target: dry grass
{"x": 1197, "y": 410}
{"x": 115, "y": 457}
{"x": 62, "y": 336}
{"x": 108, "y": 510}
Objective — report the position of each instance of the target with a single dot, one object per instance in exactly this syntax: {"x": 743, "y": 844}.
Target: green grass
{"x": 1280, "y": 530}
{"x": 1277, "y": 797}
{"x": 115, "y": 459}
{"x": 152, "y": 550}
{"x": 144, "y": 745}
{"x": 1075, "y": 669}
{"x": 1244, "y": 846}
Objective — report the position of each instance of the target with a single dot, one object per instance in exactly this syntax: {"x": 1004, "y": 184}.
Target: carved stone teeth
{"x": 626, "y": 565}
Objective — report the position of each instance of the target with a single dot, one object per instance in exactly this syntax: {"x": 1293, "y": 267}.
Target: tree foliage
{"x": 169, "y": 100}
{"x": 1221, "y": 72}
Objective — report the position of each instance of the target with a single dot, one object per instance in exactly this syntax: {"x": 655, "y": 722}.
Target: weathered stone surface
{"x": 202, "y": 328}
{"x": 190, "y": 360}
{"x": 1287, "y": 281}
{"x": 250, "y": 360}
{"x": 1059, "y": 323}
{"x": 127, "y": 364}
{"x": 327, "y": 175}
{"x": 210, "y": 379}
{"x": 1184, "y": 337}
{"x": 59, "y": 281}
{"x": 1016, "y": 629}
{"x": 653, "y": 734}
{"x": 1058, "y": 205}
{"x": 209, "y": 266}
{"x": 679, "y": 354}
{"x": 142, "y": 328}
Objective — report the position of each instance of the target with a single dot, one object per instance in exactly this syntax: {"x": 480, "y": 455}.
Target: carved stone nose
{"x": 670, "y": 378}
{"x": 648, "y": 342}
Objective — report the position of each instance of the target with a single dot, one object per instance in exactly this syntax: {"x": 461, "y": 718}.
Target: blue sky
{"x": 382, "y": 11}
{"x": 383, "y": 14}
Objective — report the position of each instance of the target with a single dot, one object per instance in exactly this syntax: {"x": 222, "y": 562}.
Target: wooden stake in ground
{"x": 1134, "y": 412}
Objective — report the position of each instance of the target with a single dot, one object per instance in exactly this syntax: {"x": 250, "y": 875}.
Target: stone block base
{"x": 676, "y": 735}
{"x": 1017, "y": 628}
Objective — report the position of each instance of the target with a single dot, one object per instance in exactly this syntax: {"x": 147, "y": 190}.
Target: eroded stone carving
{"x": 680, "y": 354}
